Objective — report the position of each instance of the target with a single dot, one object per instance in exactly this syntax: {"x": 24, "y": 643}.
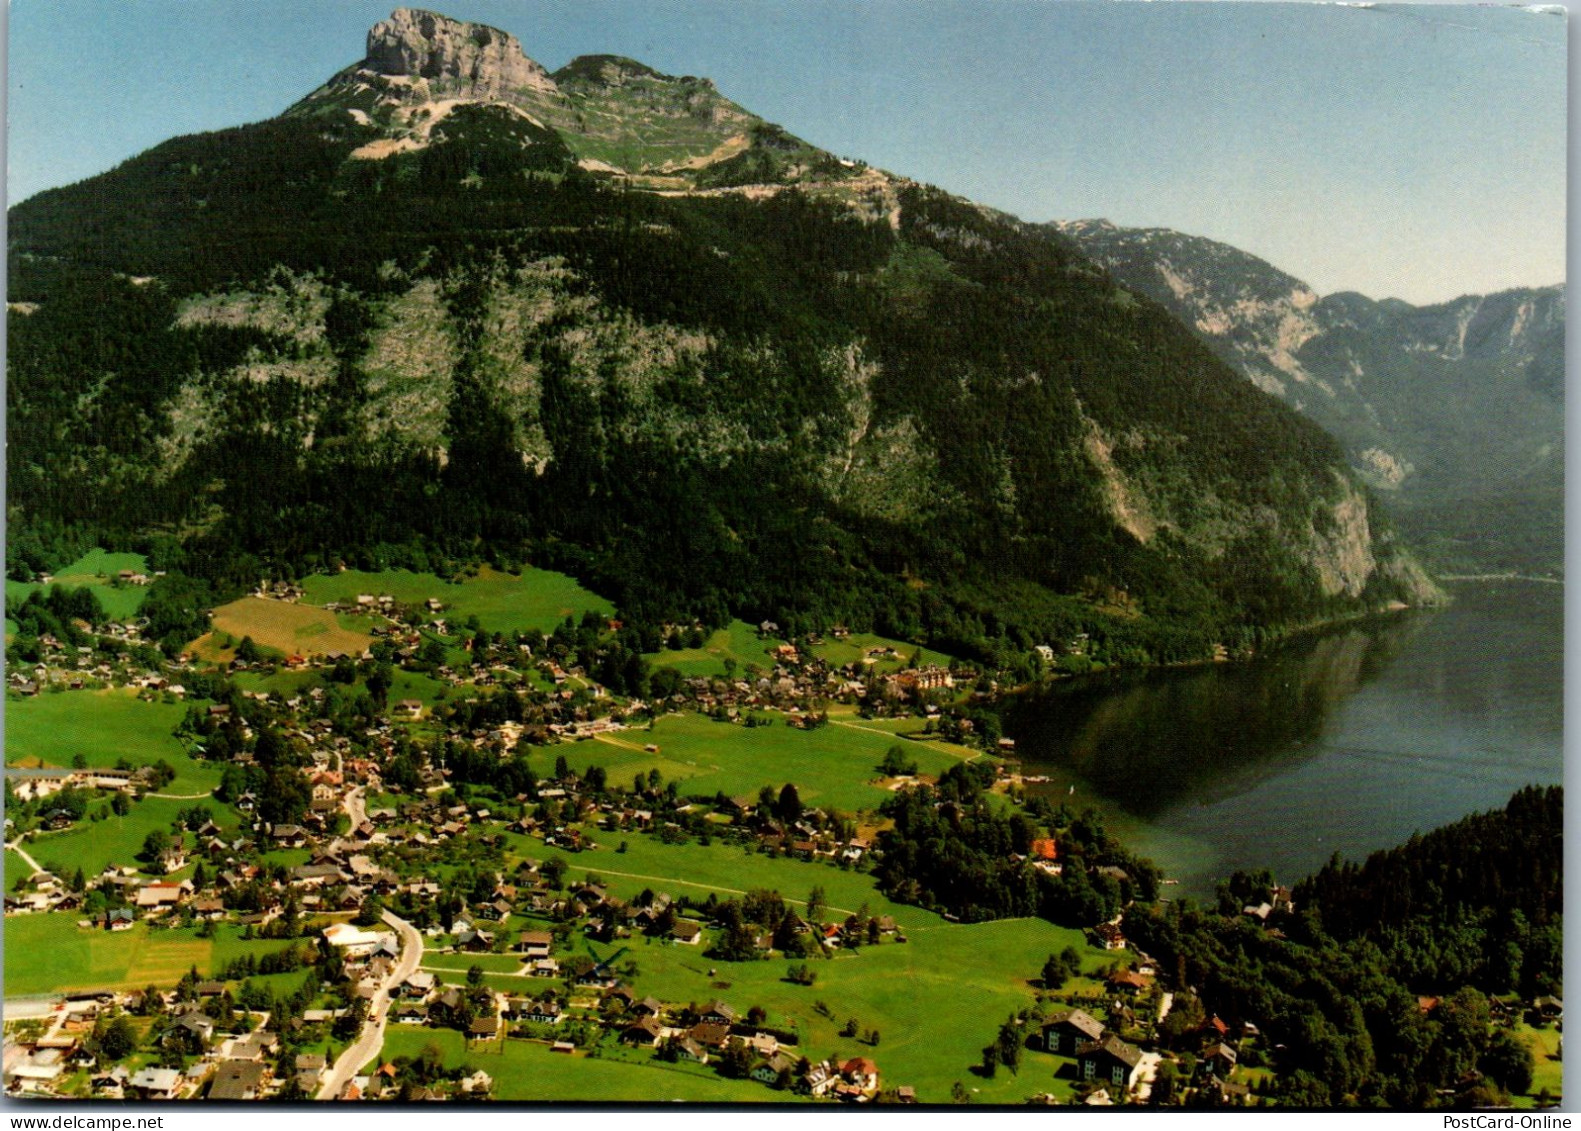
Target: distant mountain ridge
{"x": 1455, "y": 409}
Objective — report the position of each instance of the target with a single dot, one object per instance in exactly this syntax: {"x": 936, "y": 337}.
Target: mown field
{"x": 835, "y": 765}
{"x": 527, "y": 1070}
{"x": 282, "y": 626}
{"x": 48, "y": 953}
{"x": 461, "y": 963}
{"x": 95, "y": 570}
{"x": 502, "y": 602}
{"x": 104, "y": 727}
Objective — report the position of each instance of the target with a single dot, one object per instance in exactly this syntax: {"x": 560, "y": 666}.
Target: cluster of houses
{"x": 709, "y": 1034}
{"x": 1111, "y": 1069}
{"x": 236, "y": 1061}
{"x": 76, "y": 667}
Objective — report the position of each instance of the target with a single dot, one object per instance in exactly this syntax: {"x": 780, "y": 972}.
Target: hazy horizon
{"x": 1415, "y": 152}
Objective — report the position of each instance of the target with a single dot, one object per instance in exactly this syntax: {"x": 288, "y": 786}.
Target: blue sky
{"x": 1413, "y": 151}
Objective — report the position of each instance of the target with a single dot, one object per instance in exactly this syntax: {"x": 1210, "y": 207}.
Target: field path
{"x": 183, "y": 796}
{"x": 621, "y": 742}
{"x": 972, "y": 757}
{"x": 16, "y": 847}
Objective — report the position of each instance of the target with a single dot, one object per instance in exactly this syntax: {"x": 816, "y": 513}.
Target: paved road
{"x": 372, "y": 1038}
{"x": 356, "y": 807}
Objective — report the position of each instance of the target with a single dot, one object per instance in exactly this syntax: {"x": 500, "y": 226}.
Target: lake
{"x": 1348, "y": 741}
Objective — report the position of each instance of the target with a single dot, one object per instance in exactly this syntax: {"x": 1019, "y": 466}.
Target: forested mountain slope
{"x": 419, "y": 318}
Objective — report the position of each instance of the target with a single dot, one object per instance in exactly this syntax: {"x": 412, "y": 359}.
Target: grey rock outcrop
{"x": 474, "y": 60}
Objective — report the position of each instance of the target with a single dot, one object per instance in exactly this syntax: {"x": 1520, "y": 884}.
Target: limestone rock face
{"x": 478, "y": 61}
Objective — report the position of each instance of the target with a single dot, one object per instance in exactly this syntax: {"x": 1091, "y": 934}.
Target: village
{"x": 406, "y": 894}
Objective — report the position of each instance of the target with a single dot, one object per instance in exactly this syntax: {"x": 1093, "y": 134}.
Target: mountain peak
{"x": 480, "y": 61}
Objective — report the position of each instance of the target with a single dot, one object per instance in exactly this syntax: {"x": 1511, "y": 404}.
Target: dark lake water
{"x": 1345, "y": 742}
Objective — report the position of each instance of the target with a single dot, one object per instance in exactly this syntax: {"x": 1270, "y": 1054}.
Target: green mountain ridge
{"x": 406, "y": 322}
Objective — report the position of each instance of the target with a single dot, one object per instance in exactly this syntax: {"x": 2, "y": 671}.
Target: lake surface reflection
{"x": 1346, "y": 742}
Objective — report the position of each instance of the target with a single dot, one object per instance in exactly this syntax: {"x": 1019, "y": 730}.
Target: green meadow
{"x": 502, "y": 602}
{"x": 737, "y": 641}
{"x": 695, "y": 870}
{"x": 104, "y": 727}
{"x": 527, "y": 1070}
{"x": 15, "y": 868}
{"x": 49, "y": 953}
{"x": 1548, "y": 1069}
{"x": 740, "y": 642}
{"x": 91, "y": 845}
{"x": 854, "y": 648}
{"x": 461, "y": 963}
{"x": 833, "y": 766}
{"x": 95, "y": 570}
{"x": 935, "y": 1000}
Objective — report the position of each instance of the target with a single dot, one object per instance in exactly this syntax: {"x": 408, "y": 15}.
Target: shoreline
{"x": 1500, "y": 577}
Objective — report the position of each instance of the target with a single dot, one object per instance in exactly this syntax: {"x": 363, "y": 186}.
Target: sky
{"x": 1410, "y": 151}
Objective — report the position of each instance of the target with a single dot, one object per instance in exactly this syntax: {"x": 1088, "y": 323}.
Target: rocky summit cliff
{"x": 466, "y": 60}
{"x": 450, "y": 305}
{"x": 613, "y": 114}
{"x": 1454, "y": 410}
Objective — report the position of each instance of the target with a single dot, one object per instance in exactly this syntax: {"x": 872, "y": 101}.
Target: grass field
{"x": 91, "y": 845}
{"x": 526, "y": 1070}
{"x": 285, "y": 682}
{"x": 737, "y": 641}
{"x": 461, "y": 963}
{"x": 47, "y": 953}
{"x": 288, "y": 628}
{"x": 740, "y": 642}
{"x": 853, "y": 649}
{"x": 695, "y": 870}
{"x": 15, "y": 868}
{"x": 834, "y": 765}
{"x": 935, "y": 1001}
{"x": 104, "y": 727}
{"x": 95, "y": 570}
{"x": 1548, "y": 1069}
{"x": 502, "y": 602}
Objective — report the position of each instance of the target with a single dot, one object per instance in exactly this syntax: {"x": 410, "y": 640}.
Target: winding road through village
{"x": 371, "y": 1039}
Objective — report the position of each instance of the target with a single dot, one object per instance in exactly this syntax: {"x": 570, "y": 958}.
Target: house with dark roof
{"x": 686, "y": 932}
{"x": 1068, "y": 1029}
{"x": 238, "y": 1080}
{"x": 710, "y": 1034}
{"x": 644, "y": 1031}
{"x": 1109, "y": 1061}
